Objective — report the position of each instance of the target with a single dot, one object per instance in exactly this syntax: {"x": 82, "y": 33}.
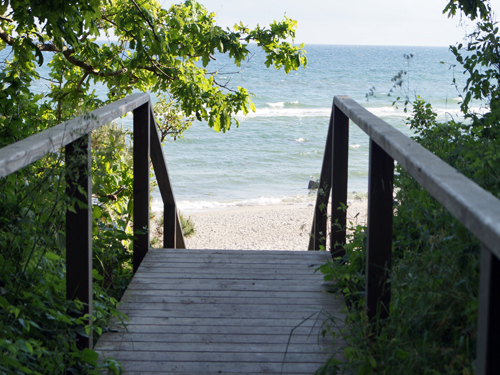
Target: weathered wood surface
{"x": 473, "y": 206}
{"x": 488, "y": 327}
{"x": 159, "y": 163}
{"x": 379, "y": 232}
{"x": 141, "y": 186}
{"x": 172, "y": 228}
{"x": 79, "y": 229}
{"x": 340, "y": 156}
{"x": 319, "y": 226}
{"x": 29, "y": 150}
{"x": 225, "y": 312}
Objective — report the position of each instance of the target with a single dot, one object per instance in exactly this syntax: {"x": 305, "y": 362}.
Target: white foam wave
{"x": 201, "y": 206}
{"x": 308, "y": 152}
{"x": 354, "y": 147}
{"x": 479, "y": 110}
{"x": 383, "y": 112}
{"x": 206, "y": 205}
{"x": 282, "y": 104}
{"x": 455, "y": 114}
{"x": 287, "y": 112}
{"x": 443, "y": 114}
{"x": 300, "y": 140}
{"x": 388, "y": 111}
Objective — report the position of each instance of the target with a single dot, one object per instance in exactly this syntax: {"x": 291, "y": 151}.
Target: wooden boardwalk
{"x": 225, "y": 312}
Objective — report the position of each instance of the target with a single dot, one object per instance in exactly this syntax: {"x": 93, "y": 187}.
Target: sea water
{"x": 272, "y": 155}
{"x": 275, "y": 151}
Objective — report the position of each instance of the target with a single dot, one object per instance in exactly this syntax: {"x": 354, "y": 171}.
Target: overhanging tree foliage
{"x": 470, "y": 8}
{"x": 164, "y": 51}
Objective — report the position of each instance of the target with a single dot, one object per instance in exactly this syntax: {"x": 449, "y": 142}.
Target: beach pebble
{"x": 281, "y": 227}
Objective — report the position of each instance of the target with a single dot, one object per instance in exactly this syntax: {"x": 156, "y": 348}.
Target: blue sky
{"x": 362, "y": 22}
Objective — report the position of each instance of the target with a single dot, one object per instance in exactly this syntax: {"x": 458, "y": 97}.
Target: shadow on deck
{"x": 225, "y": 312}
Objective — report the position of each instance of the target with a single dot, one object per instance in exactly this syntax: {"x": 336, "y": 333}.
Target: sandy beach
{"x": 279, "y": 227}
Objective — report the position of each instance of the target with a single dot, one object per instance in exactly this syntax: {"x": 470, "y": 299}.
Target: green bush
{"x": 38, "y": 325}
{"x": 435, "y": 273}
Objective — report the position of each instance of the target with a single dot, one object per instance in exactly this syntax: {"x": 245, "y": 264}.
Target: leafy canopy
{"x": 471, "y": 8}
{"x": 163, "y": 51}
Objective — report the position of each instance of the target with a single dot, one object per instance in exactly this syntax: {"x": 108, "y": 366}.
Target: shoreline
{"x": 269, "y": 227}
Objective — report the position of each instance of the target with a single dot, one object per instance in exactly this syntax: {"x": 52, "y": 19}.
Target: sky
{"x": 355, "y": 22}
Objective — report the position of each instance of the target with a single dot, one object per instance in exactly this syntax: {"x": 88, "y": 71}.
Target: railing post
{"x": 339, "y": 181}
{"x": 169, "y": 226}
{"x": 172, "y": 233}
{"x": 488, "y": 327}
{"x": 379, "y": 231}
{"x": 179, "y": 235}
{"x": 318, "y": 231}
{"x": 141, "y": 183}
{"x": 333, "y": 178}
{"x": 79, "y": 228}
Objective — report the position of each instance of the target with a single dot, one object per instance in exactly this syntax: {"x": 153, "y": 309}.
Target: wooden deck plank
{"x": 224, "y": 293}
{"x": 139, "y": 306}
{"x": 231, "y": 266}
{"x": 227, "y": 357}
{"x": 261, "y": 276}
{"x": 204, "y": 347}
{"x": 234, "y": 285}
{"x": 172, "y": 367}
{"x": 209, "y": 255}
{"x": 225, "y": 312}
{"x": 281, "y": 262}
{"x": 211, "y": 273}
{"x": 210, "y": 373}
{"x": 228, "y": 321}
{"x": 250, "y": 300}
{"x": 222, "y": 314}
{"x": 309, "y": 329}
{"x": 214, "y": 338}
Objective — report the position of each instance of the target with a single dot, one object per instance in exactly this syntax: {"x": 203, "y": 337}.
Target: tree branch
{"x": 148, "y": 68}
{"x": 49, "y": 47}
{"x": 80, "y": 83}
{"x": 225, "y": 86}
{"x": 6, "y": 37}
{"x": 218, "y": 71}
{"x": 105, "y": 17}
{"x": 84, "y": 36}
{"x": 89, "y": 69}
{"x": 147, "y": 20}
{"x": 6, "y": 19}
{"x": 157, "y": 69}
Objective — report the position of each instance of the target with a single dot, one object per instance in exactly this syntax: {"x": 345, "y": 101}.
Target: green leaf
{"x": 90, "y": 356}
{"x": 373, "y": 363}
{"x": 96, "y": 212}
{"x": 401, "y": 354}
{"x": 96, "y": 276}
{"x": 52, "y": 256}
{"x": 28, "y": 347}
{"x": 122, "y": 236}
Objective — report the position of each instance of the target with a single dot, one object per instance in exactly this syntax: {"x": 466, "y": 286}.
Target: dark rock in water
{"x": 313, "y": 185}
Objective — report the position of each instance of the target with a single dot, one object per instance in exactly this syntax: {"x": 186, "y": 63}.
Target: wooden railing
{"x": 475, "y": 208}
{"x": 75, "y": 136}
